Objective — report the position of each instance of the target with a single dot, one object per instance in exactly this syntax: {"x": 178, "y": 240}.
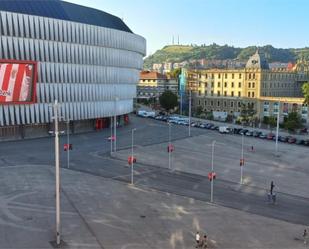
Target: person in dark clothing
{"x": 272, "y": 185}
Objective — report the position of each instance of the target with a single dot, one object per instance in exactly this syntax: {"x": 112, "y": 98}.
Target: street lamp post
{"x": 169, "y": 145}
{"x": 277, "y": 130}
{"x": 57, "y": 171}
{"x": 132, "y": 156}
{"x": 111, "y": 136}
{"x": 242, "y": 161}
{"x": 115, "y": 124}
{"x": 189, "y": 127}
{"x": 68, "y": 142}
{"x": 212, "y": 171}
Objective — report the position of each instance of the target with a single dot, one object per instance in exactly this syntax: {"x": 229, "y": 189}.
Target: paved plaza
{"x": 165, "y": 208}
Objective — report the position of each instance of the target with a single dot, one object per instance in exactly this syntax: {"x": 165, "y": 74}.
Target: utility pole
{"x": 169, "y": 145}
{"x": 111, "y": 137}
{"x": 212, "y": 171}
{"x": 132, "y": 156}
{"x": 242, "y": 161}
{"x": 115, "y": 124}
{"x": 189, "y": 127}
{"x": 277, "y": 130}
{"x": 68, "y": 142}
{"x": 57, "y": 171}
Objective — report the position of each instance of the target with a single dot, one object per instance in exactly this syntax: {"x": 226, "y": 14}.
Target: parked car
{"x": 159, "y": 117}
{"x": 270, "y": 136}
{"x": 283, "y": 139}
{"x": 243, "y": 131}
{"x": 236, "y": 130}
{"x": 208, "y": 126}
{"x": 224, "y": 129}
{"x": 256, "y": 133}
{"x": 202, "y": 125}
{"x": 306, "y": 142}
{"x": 300, "y": 141}
{"x": 263, "y": 135}
{"x": 249, "y": 133}
{"x": 291, "y": 140}
{"x": 304, "y": 130}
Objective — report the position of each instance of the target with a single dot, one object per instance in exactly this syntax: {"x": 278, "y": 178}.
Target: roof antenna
{"x": 178, "y": 39}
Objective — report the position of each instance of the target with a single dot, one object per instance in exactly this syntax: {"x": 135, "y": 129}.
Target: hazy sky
{"x": 281, "y": 23}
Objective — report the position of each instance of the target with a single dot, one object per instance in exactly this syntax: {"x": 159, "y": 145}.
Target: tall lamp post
{"x": 132, "y": 155}
{"x": 111, "y": 136}
{"x": 115, "y": 124}
{"x": 212, "y": 171}
{"x": 190, "y": 100}
{"x": 169, "y": 145}
{"x": 277, "y": 130}
{"x": 242, "y": 161}
{"x": 57, "y": 171}
{"x": 68, "y": 142}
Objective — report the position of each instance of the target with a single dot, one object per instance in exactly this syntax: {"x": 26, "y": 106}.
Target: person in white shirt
{"x": 197, "y": 238}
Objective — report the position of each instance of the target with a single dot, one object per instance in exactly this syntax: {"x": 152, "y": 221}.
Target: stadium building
{"x": 85, "y": 58}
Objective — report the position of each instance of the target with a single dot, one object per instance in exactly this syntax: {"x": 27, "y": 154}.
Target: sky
{"x": 240, "y": 23}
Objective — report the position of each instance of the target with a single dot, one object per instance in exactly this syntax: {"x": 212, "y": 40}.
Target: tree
{"x": 305, "y": 89}
{"x": 168, "y": 100}
{"x": 247, "y": 113}
{"x": 272, "y": 121}
{"x": 292, "y": 121}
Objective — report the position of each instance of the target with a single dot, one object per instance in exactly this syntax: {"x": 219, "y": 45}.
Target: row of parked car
{"x": 229, "y": 130}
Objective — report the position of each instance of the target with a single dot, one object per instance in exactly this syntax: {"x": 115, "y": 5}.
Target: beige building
{"x": 152, "y": 84}
{"x": 225, "y": 90}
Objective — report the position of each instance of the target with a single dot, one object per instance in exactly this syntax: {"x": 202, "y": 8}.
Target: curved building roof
{"x": 257, "y": 61}
{"x": 66, "y": 11}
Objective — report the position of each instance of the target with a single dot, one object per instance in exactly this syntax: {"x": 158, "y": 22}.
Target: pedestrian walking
{"x": 252, "y": 148}
{"x": 197, "y": 239}
{"x": 305, "y": 236}
{"x": 204, "y": 241}
{"x": 272, "y": 185}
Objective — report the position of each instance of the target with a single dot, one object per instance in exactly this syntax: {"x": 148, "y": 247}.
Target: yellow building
{"x": 225, "y": 90}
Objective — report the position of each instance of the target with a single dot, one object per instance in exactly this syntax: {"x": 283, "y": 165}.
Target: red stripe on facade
{"x": 18, "y": 82}
{"x": 6, "y": 80}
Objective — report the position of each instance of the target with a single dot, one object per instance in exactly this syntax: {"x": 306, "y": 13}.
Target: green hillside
{"x": 179, "y": 53}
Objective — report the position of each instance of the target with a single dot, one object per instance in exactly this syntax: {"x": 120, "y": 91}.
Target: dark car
{"x": 256, "y": 133}
{"x": 291, "y": 140}
{"x": 208, "y": 126}
{"x": 243, "y": 131}
{"x": 214, "y": 127}
{"x": 236, "y": 130}
{"x": 283, "y": 139}
{"x": 299, "y": 141}
{"x": 263, "y": 135}
{"x": 270, "y": 136}
{"x": 249, "y": 133}
{"x": 306, "y": 142}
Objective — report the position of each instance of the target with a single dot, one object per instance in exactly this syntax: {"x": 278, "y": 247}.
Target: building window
{"x": 219, "y": 85}
{"x": 218, "y": 103}
{"x": 225, "y": 75}
{"x": 252, "y": 94}
{"x": 206, "y": 85}
{"x": 249, "y": 76}
{"x": 232, "y": 76}
{"x": 249, "y": 94}
{"x": 218, "y": 93}
{"x": 199, "y": 102}
{"x": 253, "y": 76}
{"x": 225, "y": 93}
{"x": 212, "y": 93}
{"x": 212, "y": 84}
{"x": 249, "y": 84}
{"x": 219, "y": 76}
{"x": 239, "y": 84}
{"x": 199, "y": 92}
{"x": 232, "y": 104}
{"x": 225, "y": 84}
{"x": 232, "y": 84}
{"x": 239, "y": 104}
{"x": 239, "y": 76}
{"x": 211, "y": 103}
{"x": 206, "y": 93}
{"x": 239, "y": 94}
{"x": 253, "y": 85}
{"x": 199, "y": 84}
{"x": 205, "y": 102}
{"x": 212, "y": 76}
{"x": 232, "y": 94}
{"x": 224, "y": 103}
{"x": 206, "y": 76}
